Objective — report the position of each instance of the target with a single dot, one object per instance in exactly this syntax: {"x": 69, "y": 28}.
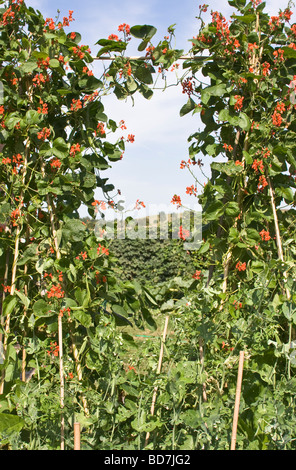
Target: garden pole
{"x": 158, "y": 372}
{"x": 237, "y": 399}
{"x": 62, "y": 383}
{"x": 76, "y": 436}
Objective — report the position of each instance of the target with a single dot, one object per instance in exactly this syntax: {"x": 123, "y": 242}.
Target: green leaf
{"x": 151, "y": 323}
{"x": 131, "y": 84}
{"x": 232, "y": 209}
{"x": 145, "y": 91}
{"x": 9, "y": 304}
{"x": 10, "y": 424}
{"x": 247, "y": 19}
{"x": 83, "y": 318}
{"x": 143, "y": 31}
{"x": 120, "y": 315}
{"x": 189, "y": 106}
{"x": 190, "y": 418}
{"x": 24, "y": 299}
{"x": 285, "y": 192}
{"x": 32, "y": 117}
{"x": 54, "y": 63}
{"x": 30, "y": 254}
{"x": 214, "y": 210}
{"x": 41, "y": 308}
{"x": 144, "y": 74}
{"x": 244, "y": 122}
{"x": 60, "y": 144}
{"x": 29, "y": 67}
{"x": 73, "y": 230}
{"x": 241, "y": 120}
{"x": 216, "y": 90}
{"x": 110, "y": 45}
{"x": 289, "y": 52}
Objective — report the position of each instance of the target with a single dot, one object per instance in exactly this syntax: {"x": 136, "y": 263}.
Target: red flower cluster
{"x": 262, "y": 183}
{"x": 139, "y": 204}
{"x": 176, "y": 200}
{"x": 54, "y": 349}
{"x": 56, "y": 291}
{"x": 222, "y": 28}
{"x": 279, "y": 55}
{"x": 131, "y": 138}
{"x": 258, "y": 164}
{"x": 265, "y": 68}
{"x": 102, "y": 250}
{"x": 265, "y": 235}
{"x": 77, "y": 51}
{"x": 228, "y": 147}
{"x": 75, "y": 148}
{"x": 83, "y": 255}
{"x": 277, "y": 115}
{"x": 183, "y": 233}
{"x": 239, "y": 102}
{"x": 43, "y": 109}
{"x": 101, "y": 204}
{"x": 196, "y": 275}
{"x": 15, "y": 216}
{"x": 63, "y": 310}
{"x": 113, "y": 37}
{"x": 43, "y": 63}
{"x": 39, "y": 79}
{"x": 44, "y": 134}
{"x": 191, "y": 190}
{"x": 76, "y": 105}
{"x": 100, "y": 278}
{"x": 125, "y": 28}
{"x": 189, "y": 162}
{"x": 55, "y": 163}
{"x": 241, "y": 266}
{"x": 100, "y": 129}
{"x": 237, "y": 304}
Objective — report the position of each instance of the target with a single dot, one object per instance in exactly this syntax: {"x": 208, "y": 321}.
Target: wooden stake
{"x": 62, "y": 384}
{"x": 237, "y": 399}
{"x": 158, "y": 371}
{"x": 76, "y": 436}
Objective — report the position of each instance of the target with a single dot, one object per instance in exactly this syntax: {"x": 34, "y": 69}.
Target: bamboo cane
{"x": 15, "y": 260}
{"x": 277, "y": 233}
{"x": 24, "y": 354}
{"x": 237, "y": 399}
{"x": 76, "y": 436}
{"x": 50, "y": 206}
{"x": 2, "y": 357}
{"x": 60, "y": 325}
{"x": 62, "y": 383}
{"x": 158, "y": 372}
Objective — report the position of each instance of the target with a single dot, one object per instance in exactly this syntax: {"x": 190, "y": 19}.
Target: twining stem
{"x": 51, "y": 211}
{"x": 158, "y": 372}
{"x": 15, "y": 259}
{"x": 25, "y": 313}
{"x": 62, "y": 384}
{"x": 239, "y": 201}
{"x": 202, "y": 360}
{"x": 277, "y": 233}
{"x": 237, "y": 399}
{"x": 219, "y": 231}
{"x": 3, "y": 298}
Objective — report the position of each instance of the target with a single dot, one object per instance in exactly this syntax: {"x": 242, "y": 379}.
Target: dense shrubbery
{"x": 68, "y": 316}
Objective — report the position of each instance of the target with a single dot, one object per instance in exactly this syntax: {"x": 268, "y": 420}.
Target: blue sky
{"x": 150, "y": 170}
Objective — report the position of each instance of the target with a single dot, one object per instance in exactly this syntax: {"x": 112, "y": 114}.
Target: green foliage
{"x": 152, "y": 261}
{"x": 90, "y": 331}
